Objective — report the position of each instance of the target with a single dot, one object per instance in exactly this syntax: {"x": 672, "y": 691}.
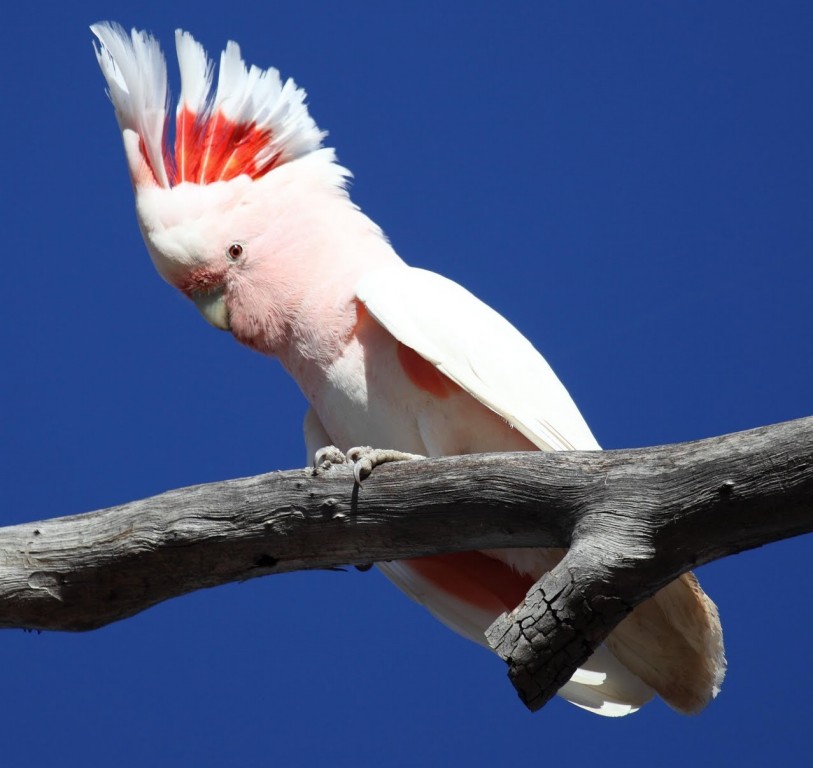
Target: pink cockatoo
{"x": 249, "y": 216}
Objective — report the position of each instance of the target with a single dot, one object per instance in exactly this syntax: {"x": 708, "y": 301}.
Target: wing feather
{"x": 479, "y": 350}
{"x": 673, "y": 643}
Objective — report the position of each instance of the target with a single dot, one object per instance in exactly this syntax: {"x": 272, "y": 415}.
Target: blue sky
{"x": 630, "y": 183}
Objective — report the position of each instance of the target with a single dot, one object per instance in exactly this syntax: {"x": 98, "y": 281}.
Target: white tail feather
{"x": 602, "y": 685}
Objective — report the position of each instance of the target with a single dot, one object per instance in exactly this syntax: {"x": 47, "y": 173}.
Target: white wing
{"x": 482, "y": 352}
{"x": 479, "y": 350}
{"x": 675, "y": 643}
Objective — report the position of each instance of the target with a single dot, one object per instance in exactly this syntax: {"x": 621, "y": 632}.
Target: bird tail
{"x": 674, "y": 643}
{"x": 453, "y": 589}
{"x": 670, "y": 645}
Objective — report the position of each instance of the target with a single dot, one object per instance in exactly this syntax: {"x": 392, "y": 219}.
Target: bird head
{"x": 204, "y": 201}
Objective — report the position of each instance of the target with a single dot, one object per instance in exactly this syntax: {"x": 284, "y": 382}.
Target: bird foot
{"x": 364, "y": 459}
{"x": 326, "y": 457}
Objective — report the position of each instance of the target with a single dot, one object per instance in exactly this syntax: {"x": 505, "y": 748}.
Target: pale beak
{"x": 212, "y": 305}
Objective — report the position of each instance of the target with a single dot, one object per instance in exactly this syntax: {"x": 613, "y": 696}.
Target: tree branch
{"x": 633, "y": 519}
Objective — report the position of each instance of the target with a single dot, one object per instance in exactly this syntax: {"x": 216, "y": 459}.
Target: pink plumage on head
{"x": 252, "y": 123}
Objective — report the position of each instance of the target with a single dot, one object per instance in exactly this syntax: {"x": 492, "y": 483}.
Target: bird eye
{"x": 235, "y": 251}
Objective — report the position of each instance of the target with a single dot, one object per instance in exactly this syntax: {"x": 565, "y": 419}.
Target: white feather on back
{"x": 478, "y": 349}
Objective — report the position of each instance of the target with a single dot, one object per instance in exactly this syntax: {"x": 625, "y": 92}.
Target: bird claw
{"x": 364, "y": 459}
{"x": 326, "y": 457}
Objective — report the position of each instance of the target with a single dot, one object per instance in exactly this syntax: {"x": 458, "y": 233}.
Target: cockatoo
{"x": 249, "y": 216}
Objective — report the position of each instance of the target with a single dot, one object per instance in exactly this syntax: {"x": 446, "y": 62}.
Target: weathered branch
{"x": 634, "y": 519}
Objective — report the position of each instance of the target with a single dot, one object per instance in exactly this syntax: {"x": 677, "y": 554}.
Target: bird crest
{"x": 250, "y": 124}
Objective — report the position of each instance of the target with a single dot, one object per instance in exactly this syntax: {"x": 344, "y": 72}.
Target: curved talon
{"x": 365, "y": 459}
{"x": 362, "y": 468}
{"x": 358, "y": 453}
{"x": 326, "y": 457}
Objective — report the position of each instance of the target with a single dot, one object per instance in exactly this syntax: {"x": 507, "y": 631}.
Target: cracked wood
{"x": 635, "y": 519}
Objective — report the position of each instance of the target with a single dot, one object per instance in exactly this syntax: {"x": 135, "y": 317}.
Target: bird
{"x": 248, "y": 214}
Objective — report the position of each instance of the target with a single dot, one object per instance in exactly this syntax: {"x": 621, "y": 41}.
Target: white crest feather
{"x": 196, "y": 73}
{"x": 254, "y": 95}
{"x": 136, "y": 75}
{"x": 196, "y": 84}
{"x": 251, "y": 124}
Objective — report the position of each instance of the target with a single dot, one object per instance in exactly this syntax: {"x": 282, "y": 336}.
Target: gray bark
{"x": 633, "y": 519}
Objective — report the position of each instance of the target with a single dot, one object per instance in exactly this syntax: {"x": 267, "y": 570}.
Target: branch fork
{"x": 634, "y": 521}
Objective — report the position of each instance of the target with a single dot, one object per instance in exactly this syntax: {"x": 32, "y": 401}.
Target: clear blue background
{"x": 629, "y": 182}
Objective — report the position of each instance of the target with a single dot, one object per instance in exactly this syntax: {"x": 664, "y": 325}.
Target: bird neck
{"x": 298, "y": 302}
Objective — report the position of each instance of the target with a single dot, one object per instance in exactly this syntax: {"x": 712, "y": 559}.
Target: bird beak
{"x": 212, "y": 305}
